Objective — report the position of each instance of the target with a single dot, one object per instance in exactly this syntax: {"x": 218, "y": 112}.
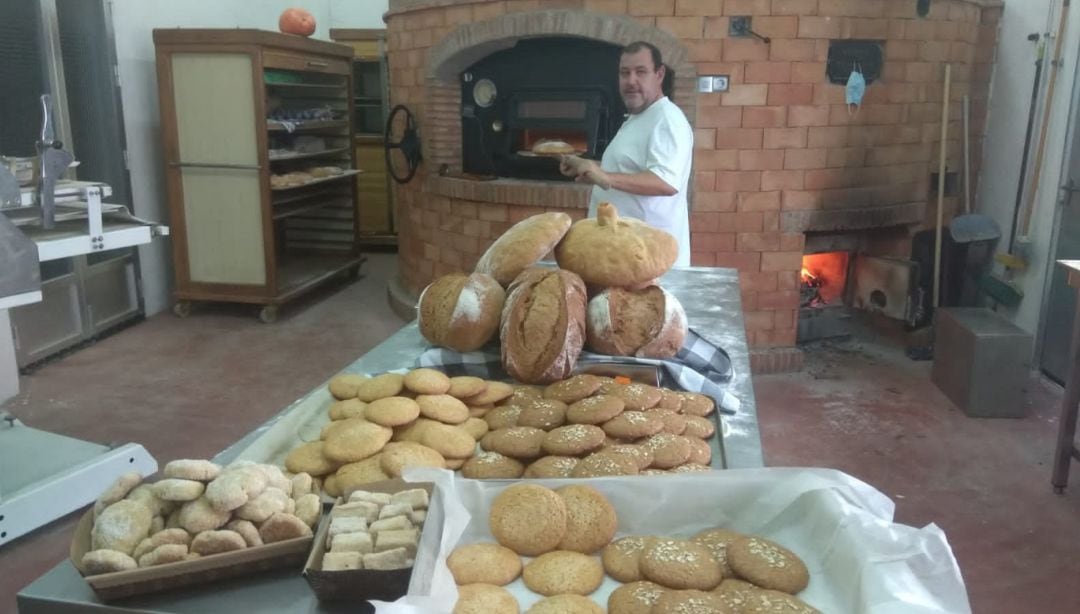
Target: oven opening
{"x": 824, "y": 278}
{"x": 531, "y": 137}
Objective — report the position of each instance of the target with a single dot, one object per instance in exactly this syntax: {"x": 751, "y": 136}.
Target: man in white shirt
{"x": 646, "y": 167}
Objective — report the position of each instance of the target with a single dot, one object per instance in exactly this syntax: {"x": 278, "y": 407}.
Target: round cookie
{"x": 397, "y": 456}
{"x": 695, "y": 404}
{"x": 263, "y": 505}
{"x": 635, "y": 598}
{"x": 335, "y": 425}
{"x": 493, "y": 393}
{"x": 670, "y": 399}
{"x": 573, "y": 389}
{"x": 465, "y": 386}
{"x": 454, "y": 464}
{"x": 528, "y": 519}
{"x": 503, "y": 417}
{"x": 544, "y": 414}
{"x": 641, "y": 455}
{"x": 690, "y": 468}
{"x": 492, "y": 466}
{"x": 668, "y": 450}
{"x": 776, "y": 602}
{"x": 735, "y": 594}
{"x": 121, "y": 526}
{"x": 164, "y": 554}
{"x": 380, "y": 386}
{"x": 475, "y": 427}
{"x": 106, "y": 561}
{"x": 392, "y": 411}
{"x": 485, "y": 599}
{"x": 565, "y": 604}
{"x": 443, "y": 407}
{"x": 355, "y": 475}
{"x": 426, "y": 381}
{"x": 177, "y": 489}
{"x": 673, "y": 423}
{"x": 523, "y": 395}
{"x": 689, "y": 602}
{"x": 633, "y": 425}
{"x": 355, "y": 442}
{"x": 603, "y": 464}
{"x": 638, "y": 397}
{"x": 216, "y": 542}
{"x": 344, "y": 386}
{"x": 331, "y": 483}
{"x": 192, "y": 469}
{"x": 348, "y": 408}
{"x": 450, "y": 441}
{"x": 484, "y": 564}
{"x": 700, "y": 451}
{"x": 247, "y": 530}
{"x": 199, "y": 515}
{"x": 573, "y": 440}
{"x": 414, "y": 431}
{"x": 622, "y": 557}
{"x": 520, "y": 442}
{"x": 281, "y": 527}
{"x": 479, "y": 412}
{"x": 767, "y": 564}
{"x": 551, "y": 467}
{"x": 308, "y": 508}
{"x": 651, "y": 471}
{"x": 680, "y": 564}
{"x": 563, "y": 573}
{"x": 590, "y": 519}
{"x": 595, "y": 410}
{"x": 122, "y": 487}
{"x": 699, "y": 427}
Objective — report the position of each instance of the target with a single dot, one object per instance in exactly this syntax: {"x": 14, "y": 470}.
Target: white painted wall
{"x": 1014, "y": 72}
{"x": 133, "y": 22}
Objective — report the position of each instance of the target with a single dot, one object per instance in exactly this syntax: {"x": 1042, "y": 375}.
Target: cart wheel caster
{"x": 182, "y": 309}
{"x": 268, "y": 314}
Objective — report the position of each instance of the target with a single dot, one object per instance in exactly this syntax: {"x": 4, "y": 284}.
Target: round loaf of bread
{"x": 613, "y": 252}
{"x": 461, "y": 312}
{"x": 543, "y": 325}
{"x": 647, "y": 323}
{"x": 523, "y": 245}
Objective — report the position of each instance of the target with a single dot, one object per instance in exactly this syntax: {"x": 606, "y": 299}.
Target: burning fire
{"x": 809, "y": 278}
{"x": 823, "y": 277}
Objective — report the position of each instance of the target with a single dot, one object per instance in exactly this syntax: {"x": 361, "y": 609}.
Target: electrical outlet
{"x": 720, "y": 83}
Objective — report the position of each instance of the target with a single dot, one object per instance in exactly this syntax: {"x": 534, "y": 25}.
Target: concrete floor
{"x": 859, "y": 406}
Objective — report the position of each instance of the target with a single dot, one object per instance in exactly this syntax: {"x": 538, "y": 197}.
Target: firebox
{"x": 550, "y": 88}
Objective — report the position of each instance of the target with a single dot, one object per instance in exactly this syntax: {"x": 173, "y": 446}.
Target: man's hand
{"x": 584, "y": 171}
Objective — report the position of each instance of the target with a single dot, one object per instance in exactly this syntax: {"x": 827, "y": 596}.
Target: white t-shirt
{"x": 659, "y": 140}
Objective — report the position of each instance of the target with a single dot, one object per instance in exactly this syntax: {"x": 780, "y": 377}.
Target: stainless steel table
{"x": 712, "y": 302}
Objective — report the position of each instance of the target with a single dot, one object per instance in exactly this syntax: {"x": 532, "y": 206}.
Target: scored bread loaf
{"x": 647, "y": 323}
{"x": 460, "y": 311}
{"x": 612, "y": 252}
{"x": 543, "y": 325}
{"x": 523, "y": 245}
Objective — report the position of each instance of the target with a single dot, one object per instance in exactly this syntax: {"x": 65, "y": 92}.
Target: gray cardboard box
{"x": 981, "y": 362}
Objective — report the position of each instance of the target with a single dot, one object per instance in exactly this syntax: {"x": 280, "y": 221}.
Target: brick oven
{"x": 781, "y": 168}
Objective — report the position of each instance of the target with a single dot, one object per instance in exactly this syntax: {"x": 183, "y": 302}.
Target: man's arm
{"x": 644, "y": 183}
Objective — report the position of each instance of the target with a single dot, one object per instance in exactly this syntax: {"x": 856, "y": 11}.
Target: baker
{"x": 645, "y": 169}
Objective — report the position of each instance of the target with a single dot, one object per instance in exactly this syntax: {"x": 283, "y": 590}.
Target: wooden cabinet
{"x": 260, "y": 167}
{"x": 370, "y": 101}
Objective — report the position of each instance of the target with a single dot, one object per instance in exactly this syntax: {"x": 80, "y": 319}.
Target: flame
{"x": 807, "y": 276}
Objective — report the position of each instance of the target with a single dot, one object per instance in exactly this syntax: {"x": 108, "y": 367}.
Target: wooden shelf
{"x": 320, "y": 181}
{"x": 299, "y": 272}
{"x": 287, "y": 210}
{"x": 324, "y": 86}
{"x": 274, "y": 125}
{"x": 314, "y": 154}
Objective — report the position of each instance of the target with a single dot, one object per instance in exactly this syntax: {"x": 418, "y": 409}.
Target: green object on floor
{"x": 1002, "y": 291}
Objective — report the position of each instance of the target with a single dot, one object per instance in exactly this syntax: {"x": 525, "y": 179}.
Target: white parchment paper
{"x": 860, "y": 561}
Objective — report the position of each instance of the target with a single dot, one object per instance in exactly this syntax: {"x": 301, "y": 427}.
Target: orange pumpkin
{"x": 296, "y": 21}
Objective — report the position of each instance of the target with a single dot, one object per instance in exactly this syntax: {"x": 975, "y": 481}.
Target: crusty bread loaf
{"x": 523, "y": 245}
{"x": 460, "y": 311}
{"x": 613, "y": 252}
{"x": 543, "y": 325}
{"x": 648, "y": 323}
{"x": 553, "y": 147}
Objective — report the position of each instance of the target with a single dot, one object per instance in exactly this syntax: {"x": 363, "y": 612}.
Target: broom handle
{"x": 1029, "y": 206}
{"x": 941, "y": 187}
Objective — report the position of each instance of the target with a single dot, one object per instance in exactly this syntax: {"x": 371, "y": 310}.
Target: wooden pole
{"x": 967, "y": 154}
{"x": 941, "y": 186}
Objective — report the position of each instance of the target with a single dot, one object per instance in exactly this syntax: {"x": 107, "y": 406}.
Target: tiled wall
{"x": 778, "y": 145}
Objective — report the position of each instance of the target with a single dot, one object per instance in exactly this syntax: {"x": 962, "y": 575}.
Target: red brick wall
{"x": 781, "y": 140}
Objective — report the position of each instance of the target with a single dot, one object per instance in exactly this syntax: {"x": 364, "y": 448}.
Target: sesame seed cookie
{"x": 622, "y": 557}
{"x": 700, "y": 451}
{"x": 591, "y": 521}
{"x": 523, "y": 394}
{"x": 695, "y": 404}
{"x": 635, "y": 598}
{"x": 690, "y": 602}
{"x": 520, "y": 442}
{"x": 699, "y": 427}
{"x": 602, "y": 464}
{"x": 670, "y": 399}
{"x": 735, "y": 594}
{"x": 680, "y": 564}
{"x": 503, "y": 417}
{"x": 426, "y": 381}
{"x": 673, "y": 423}
{"x": 528, "y": 519}
{"x": 668, "y": 450}
{"x": 484, "y": 563}
{"x": 573, "y": 440}
{"x": 633, "y": 425}
{"x": 544, "y": 414}
{"x": 690, "y": 468}
{"x": 776, "y": 602}
{"x": 565, "y": 604}
{"x": 492, "y": 466}
{"x": 638, "y": 397}
{"x": 485, "y": 599}
{"x": 551, "y": 467}
{"x": 563, "y": 573}
{"x": 641, "y": 455}
{"x": 573, "y": 389}
{"x": 767, "y": 564}
{"x": 595, "y": 410}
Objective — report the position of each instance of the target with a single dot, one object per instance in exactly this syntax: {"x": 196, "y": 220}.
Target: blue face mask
{"x": 856, "y": 89}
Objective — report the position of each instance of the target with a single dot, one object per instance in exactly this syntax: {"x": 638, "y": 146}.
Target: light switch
{"x": 704, "y": 85}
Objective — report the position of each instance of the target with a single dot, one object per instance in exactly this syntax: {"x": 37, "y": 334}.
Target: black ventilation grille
{"x": 845, "y": 55}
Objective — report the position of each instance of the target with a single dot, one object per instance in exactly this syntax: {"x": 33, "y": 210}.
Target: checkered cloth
{"x": 698, "y": 367}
